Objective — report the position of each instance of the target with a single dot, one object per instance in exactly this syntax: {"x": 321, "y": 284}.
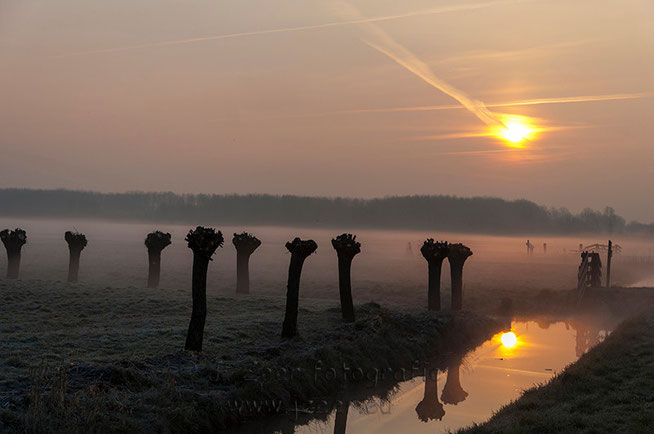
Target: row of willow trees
{"x": 205, "y": 241}
{"x": 443, "y": 213}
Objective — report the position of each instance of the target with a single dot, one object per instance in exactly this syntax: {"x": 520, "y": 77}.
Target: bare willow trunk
{"x": 195, "y": 333}
{"x": 154, "y": 268}
{"x": 345, "y": 288}
{"x": 346, "y": 248}
{"x": 434, "y": 284}
{"x": 73, "y": 265}
{"x": 13, "y": 264}
{"x": 76, "y": 243}
{"x": 457, "y": 258}
{"x": 340, "y": 421}
{"x": 13, "y": 242}
{"x": 203, "y": 242}
{"x": 245, "y": 245}
{"x": 300, "y": 250}
{"x": 434, "y": 253}
{"x": 242, "y": 272}
{"x": 155, "y": 242}
{"x": 456, "y": 272}
{"x": 289, "y": 328}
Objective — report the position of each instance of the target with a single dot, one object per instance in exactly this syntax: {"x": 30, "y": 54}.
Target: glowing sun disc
{"x": 509, "y": 339}
{"x": 515, "y": 132}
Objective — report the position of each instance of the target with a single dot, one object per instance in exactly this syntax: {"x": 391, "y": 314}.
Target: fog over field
{"x": 389, "y": 268}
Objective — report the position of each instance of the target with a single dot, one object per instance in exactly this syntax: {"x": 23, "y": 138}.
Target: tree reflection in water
{"x": 430, "y": 407}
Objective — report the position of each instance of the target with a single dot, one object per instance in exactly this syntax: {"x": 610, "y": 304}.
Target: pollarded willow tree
{"x": 203, "y": 242}
{"x": 453, "y": 393}
{"x": 434, "y": 252}
{"x": 245, "y": 245}
{"x": 300, "y": 250}
{"x": 76, "y": 243}
{"x": 457, "y": 257}
{"x": 347, "y": 248}
{"x": 13, "y": 241}
{"x": 155, "y": 242}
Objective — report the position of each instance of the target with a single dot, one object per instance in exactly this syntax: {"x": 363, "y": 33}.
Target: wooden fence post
{"x": 608, "y": 264}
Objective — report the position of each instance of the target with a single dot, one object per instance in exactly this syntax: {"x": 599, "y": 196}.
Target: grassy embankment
{"x": 609, "y": 389}
{"x": 81, "y": 358}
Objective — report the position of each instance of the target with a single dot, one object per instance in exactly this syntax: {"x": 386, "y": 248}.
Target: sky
{"x": 363, "y": 98}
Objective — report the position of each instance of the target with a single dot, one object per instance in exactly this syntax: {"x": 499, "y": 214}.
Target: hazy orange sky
{"x": 331, "y": 98}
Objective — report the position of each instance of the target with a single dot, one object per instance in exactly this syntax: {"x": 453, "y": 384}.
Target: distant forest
{"x": 443, "y": 213}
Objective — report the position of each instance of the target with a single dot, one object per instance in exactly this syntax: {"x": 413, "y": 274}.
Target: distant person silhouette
{"x": 530, "y": 247}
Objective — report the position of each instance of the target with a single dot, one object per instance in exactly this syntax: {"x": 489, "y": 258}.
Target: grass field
{"x": 78, "y": 358}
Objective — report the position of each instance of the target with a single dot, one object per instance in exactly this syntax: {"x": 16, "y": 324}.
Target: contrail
{"x": 386, "y": 45}
{"x": 571, "y": 99}
{"x": 432, "y": 11}
{"x": 424, "y": 108}
{"x": 524, "y": 102}
{"x": 419, "y": 68}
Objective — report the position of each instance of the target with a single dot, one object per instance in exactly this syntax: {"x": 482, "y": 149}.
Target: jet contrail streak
{"x": 424, "y": 108}
{"x": 432, "y": 11}
{"x": 570, "y": 99}
{"x": 525, "y": 102}
{"x": 409, "y": 61}
{"x": 385, "y": 44}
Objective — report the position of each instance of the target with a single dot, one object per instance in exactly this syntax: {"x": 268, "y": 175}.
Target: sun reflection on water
{"x": 509, "y": 340}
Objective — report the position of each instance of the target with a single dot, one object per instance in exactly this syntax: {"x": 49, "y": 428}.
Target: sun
{"x": 516, "y": 132}
{"x": 509, "y": 339}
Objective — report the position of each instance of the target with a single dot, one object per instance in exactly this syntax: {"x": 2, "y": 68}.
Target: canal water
{"x": 471, "y": 389}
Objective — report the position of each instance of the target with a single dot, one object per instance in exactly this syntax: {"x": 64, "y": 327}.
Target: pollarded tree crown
{"x": 459, "y": 253}
{"x": 302, "y": 248}
{"x": 157, "y": 240}
{"x": 246, "y": 242}
{"x": 430, "y": 409}
{"x": 346, "y": 244}
{"x": 13, "y": 239}
{"x": 432, "y": 250}
{"x": 75, "y": 239}
{"x": 453, "y": 393}
{"x": 204, "y": 241}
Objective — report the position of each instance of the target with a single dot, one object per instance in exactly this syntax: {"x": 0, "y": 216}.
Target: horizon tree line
{"x": 434, "y": 213}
